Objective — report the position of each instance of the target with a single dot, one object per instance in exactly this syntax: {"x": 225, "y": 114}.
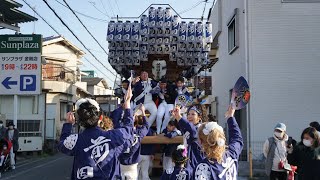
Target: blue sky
{"x": 100, "y": 9}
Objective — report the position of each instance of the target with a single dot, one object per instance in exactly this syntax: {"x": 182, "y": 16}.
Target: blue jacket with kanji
{"x": 228, "y": 169}
{"x": 96, "y": 151}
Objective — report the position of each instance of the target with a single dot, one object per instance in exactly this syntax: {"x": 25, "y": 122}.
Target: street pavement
{"x": 57, "y": 167}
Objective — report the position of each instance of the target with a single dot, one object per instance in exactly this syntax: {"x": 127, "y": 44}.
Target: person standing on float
{"x": 142, "y": 86}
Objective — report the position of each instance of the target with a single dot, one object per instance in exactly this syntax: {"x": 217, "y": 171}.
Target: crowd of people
{"x": 157, "y": 97}
{"x": 110, "y": 148}
{"x": 282, "y": 152}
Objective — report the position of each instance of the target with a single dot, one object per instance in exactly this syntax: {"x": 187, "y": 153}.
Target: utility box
{"x": 30, "y": 144}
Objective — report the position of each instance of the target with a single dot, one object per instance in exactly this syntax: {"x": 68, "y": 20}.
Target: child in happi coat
{"x": 96, "y": 151}
{"x": 221, "y": 161}
{"x": 170, "y": 132}
{"x": 179, "y": 172}
{"x": 180, "y": 87}
{"x": 189, "y": 128}
{"x": 130, "y": 158}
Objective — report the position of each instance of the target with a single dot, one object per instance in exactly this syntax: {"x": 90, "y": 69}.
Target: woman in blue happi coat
{"x": 130, "y": 158}
{"x": 221, "y": 161}
{"x": 189, "y": 128}
{"x": 96, "y": 151}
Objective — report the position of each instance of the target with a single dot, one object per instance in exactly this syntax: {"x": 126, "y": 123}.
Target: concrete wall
{"x": 284, "y": 55}
{"x": 229, "y": 67}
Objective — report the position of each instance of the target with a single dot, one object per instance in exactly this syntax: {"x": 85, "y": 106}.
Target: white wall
{"x": 62, "y": 52}
{"x": 229, "y": 67}
{"x": 30, "y": 108}
{"x": 284, "y": 48}
{"x": 82, "y": 85}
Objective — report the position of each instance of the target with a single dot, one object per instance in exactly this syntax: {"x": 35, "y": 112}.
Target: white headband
{"x": 181, "y": 146}
{"x": 84, "y": 100}
{"x": 210, "y": 126}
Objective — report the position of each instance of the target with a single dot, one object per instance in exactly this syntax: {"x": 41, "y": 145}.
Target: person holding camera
{"x": 306, "y": 155}
{"x": 275, "y": 151}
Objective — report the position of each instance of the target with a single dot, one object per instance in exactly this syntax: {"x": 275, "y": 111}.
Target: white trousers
{"x": 167, "y": 163}
{"x": 129, "y": 172}
{"x": 161, "y": 112}
{"x": 2, "y": 160}
{"x": 152, "y": 108}
{"x": 12, "y": 161}
{"x": 167, "y": 116}
{"x": 143, "y": 167}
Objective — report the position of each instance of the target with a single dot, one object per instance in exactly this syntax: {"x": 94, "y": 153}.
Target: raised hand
{"x": 127, "y": 98}
{"x": 135, "y": 80}
{"x": 70, "y": 118}
{"x": 229, "y": 113}
{"x": 143, "y": 110}
{"x": 176, "y": 113}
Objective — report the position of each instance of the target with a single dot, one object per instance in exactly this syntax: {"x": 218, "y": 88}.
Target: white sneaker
{"x": 13, "y": 167}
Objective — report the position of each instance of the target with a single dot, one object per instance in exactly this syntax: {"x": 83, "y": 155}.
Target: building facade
{"x": 62, "y": 78}
{"x": 274, "y": 45}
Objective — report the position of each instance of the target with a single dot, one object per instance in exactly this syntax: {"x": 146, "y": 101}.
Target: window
{"x": 63, "y": 111}
{"x": 6, "y": 104}
{"x": 233, "y": 32}
{"x": 28, "y": 104}
{"x": 28, "y": 128}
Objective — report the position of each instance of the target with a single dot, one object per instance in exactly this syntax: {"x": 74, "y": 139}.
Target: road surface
{"x": 57, "y": 167}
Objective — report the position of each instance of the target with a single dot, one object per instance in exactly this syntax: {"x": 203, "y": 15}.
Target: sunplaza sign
{"x": 20, "y": 64}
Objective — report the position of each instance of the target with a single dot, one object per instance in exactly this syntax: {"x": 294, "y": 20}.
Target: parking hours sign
{"x": 20, "y": 64}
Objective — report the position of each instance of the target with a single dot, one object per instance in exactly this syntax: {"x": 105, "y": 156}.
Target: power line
{"x": 40, "y": 16}
{"x": 45, "y": 1}
{"x": 85, "y": 15}
{"x": 84, "y": 26}
{"x": 105, "y": 10}
{"x": 118, "y": 7}
{"x": 111, "y": 8}
{"x": 93, "y": 4}
{"x": 194, "y": 6}
{"x": 98, "y": 69}
{"x": 205, "y": 5}
{"x": 59, "y": 34}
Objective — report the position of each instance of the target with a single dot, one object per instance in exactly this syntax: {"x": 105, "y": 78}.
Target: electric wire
{"x": 61, "y": 20}
{"x": 105, "y": 10}
{"x": 94, "y": 5}
{"x": 189, "y": 9}
{"x": 111, "y": 8}
{"x": 204, "y": 9}
{"x": 118, "y": 7}
{"x": 85, "y": 27}
{"x": 85, "y": 15}
{"x": 40, "y": 16}
{"x": 60, "y": 34}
